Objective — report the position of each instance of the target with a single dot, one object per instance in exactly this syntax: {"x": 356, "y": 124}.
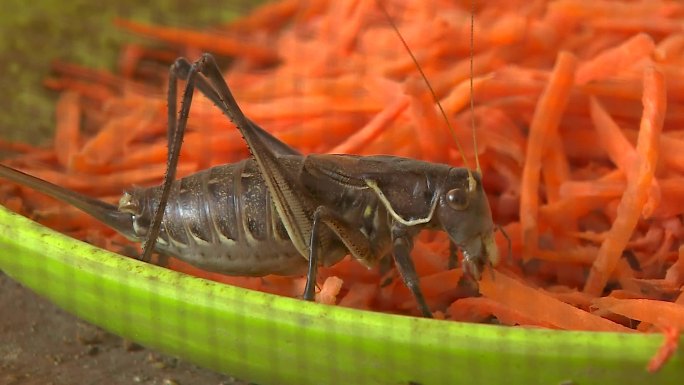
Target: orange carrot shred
{"x": 329, "y": 291}
{"x": 659, "y": 313}
{"x": 619, "y": 150}
{"x": 67, "y": 132}
{"x": 615, "y": 59}
{"x": 666, "y": 350}
{"x": 360, "y": 296}
{"x": 371, "y": 130}
{"x": 635, "y": 196}
{"x": 540, "y": 306}
{"x": 546, "y": 118}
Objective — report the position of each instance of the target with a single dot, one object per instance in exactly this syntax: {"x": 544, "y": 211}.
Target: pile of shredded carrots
{"x": 578, "y": 113}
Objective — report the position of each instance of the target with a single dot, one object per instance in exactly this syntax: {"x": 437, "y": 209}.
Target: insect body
{"x": 284, "y": 213}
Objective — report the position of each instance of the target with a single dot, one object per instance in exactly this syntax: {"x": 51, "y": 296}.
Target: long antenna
{"x": 472, "y": 88}
{"x": 471, "y": 180}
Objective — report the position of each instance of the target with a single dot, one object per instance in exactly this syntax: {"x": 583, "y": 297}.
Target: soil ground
{"x": 42, "y": 345}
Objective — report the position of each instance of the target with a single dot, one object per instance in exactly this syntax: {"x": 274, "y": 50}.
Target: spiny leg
{"x": 176, "y": 125}
{"x": 312, "y": 272}
{"x": 214, "y": 86}
{"x": 402, "y": 258}
{"x": 175, "y": 132}
{"x": 508, "y": 241}
{"x": 358, "y": 245}
{"x": 453, "y": 255}
{"x": 360, "y": 248}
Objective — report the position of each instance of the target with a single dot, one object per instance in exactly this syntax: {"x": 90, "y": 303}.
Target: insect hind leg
{"x": 175, "y": 131}
{"x": 216, "y": 90}
{"x": 214, "y": 87}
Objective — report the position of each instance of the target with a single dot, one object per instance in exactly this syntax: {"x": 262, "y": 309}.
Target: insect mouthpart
{"x": 477, "y": 252}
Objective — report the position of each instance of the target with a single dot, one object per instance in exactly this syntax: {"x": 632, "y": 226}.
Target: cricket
{"x": 286, "y": 213}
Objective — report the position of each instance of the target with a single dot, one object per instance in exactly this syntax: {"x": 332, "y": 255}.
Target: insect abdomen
{"x": 222, "y": 219}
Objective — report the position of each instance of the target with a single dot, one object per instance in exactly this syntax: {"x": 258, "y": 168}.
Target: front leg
{"x": 402, "y": 246}
{"x": 361, "y": 249}
{"x": 353, "y": 239}
{"x": 453, "y": 255}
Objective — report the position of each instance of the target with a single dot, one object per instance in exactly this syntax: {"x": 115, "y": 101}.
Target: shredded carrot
{"x": 675, "y": 274}
{"x": 615, "y": 59}
{"x": 634, "y": 199}
{"x": 67, "y": 132}
{"x": 619, "y": 150}
{"x": 476, "y": 309}
{"x": 329, "y": 291}
{"x": 669, "y": 47}
{"x": 667, "y": 349}
{"x": 542, "y": 307}
{"x": 370, "y": 131}
{"x": 582, "y": 167}
{"x": 544, "y": 123}
{"x": 659, "y": 313}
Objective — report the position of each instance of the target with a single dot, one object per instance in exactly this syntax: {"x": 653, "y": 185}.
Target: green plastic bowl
{"x": 275, "y": 340}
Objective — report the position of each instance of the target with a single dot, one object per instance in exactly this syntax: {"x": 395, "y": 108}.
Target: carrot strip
{"x": 619, "y": 150}
{"x": 669, "y": 47}
{"x": 610, "y": 189}
{"x": 615, "y": 59}
{"x": 545, "y": 122}
{"x": 634, "y": 198}
{"x": 666, "y": 350}
{"x": 441, "y": 282}
{"x": 602, "y": 8}
{"x": 476, "y": 309}
{"x": 459, "y": 97}
{"x": 131, "y": 55}
{"x": 638, "y": 25}
{"x": 371, "y": 130}
{"x": 329, "y": 291}
{"x": 675, "y": 274}
{"x": 578, "y": 254}
{"x": 16, "y": 147}
{"x": 614, "y": 88}
{"x": 107, "y": 183}
{"x": 540, "y": 306}
{"x": 430, "y": 129}
{"x": 89, "y": 90}
{"x": 67, "y": 133}
{"x": 113, "y": 137}
{"x": 659, "y": 313}
{"x": 556, "y": 170}
{"x": 672, "y": 151}
{"x": 360, "y": 296}
{"x": 101, "y": 77}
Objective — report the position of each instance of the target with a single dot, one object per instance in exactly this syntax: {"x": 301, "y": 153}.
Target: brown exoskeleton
{"x": 281, "y": 212}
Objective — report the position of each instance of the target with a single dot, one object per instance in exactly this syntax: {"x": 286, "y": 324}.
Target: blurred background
{"x": 39, "y": 343}
{"x": 34, "y": 34}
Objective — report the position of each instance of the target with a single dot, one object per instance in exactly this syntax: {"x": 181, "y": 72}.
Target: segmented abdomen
{"x": 222, "y": 219}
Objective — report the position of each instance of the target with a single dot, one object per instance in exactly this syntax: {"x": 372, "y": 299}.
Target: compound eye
{"x": 457, "y": 198}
